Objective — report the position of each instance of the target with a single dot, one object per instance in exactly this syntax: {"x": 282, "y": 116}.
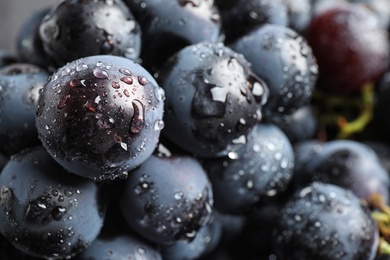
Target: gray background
{"x": 12, "y": 15}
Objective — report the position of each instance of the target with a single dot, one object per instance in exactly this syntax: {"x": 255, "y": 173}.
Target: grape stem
{"x": 381, "y": 214}
{"x": 357, "y": 125}
{"x": 347, "y": 126}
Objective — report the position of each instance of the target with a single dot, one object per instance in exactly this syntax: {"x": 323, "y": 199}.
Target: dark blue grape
{"x": 74, "y": 29}
{"x": 100, "y": 116}
{"x": 28, "y": 42}
{"x": 258, "y": 173}
{"x": 45, "y": 211}
{"x": 284, "y": 60}
{"x": 212, "y": 99}
{"x": 170, "y": 25}
{"x": 167, "y": 199}
{"x": 299, "y": 14}
{"x": 349, "y": 164}
{"x": 19, "y": 91}
{"x": 324, "y": 221}
{"x": 244, "y": 16}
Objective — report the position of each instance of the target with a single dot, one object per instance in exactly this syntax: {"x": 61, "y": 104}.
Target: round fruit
{"x": 100, "y": 116}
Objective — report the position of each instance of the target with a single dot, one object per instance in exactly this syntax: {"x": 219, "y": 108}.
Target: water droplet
{"x": 178, "y": 195}
{"x": 68, "y": 193}
{"x": 219, "y": 93}
{"x": 254, "y": 15}
{"x": 240, "y": 140}
{"x": 97, "y": 99}
{"x": 62, "y": 101}
{"x": 58, "y": 212}
{"x": 249, "y": 184}
{"x": 127, "y": 79}
{"x": 115, "y": 85}
{"x": 233, "y": 155}
{"x": 142, "y": 80}
{"x": 138, "y": 121}
{"x": 256, "y": 148}
{"x": 305, "y": 191}
{"x": 125, "y": 72}
{"x": 159, "y": 93}
{"x": 314, "y": 69}
{"x": 271, "y": 193}
{"x": 41, "y": 205}
{"x": 191, "y": 234}
{"x": 74, "y": 83}
{"x": 100, "y": 74}
{"x": 159, "y": 125}
{"x": 257, "y": 89}
{"x": 124, "y": 146}
{"x": 126, "y": 93}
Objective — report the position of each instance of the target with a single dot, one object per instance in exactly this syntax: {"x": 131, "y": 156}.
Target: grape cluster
{"x": 197, "y": 129}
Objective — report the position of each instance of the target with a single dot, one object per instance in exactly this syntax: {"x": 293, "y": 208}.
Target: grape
{"x": 212, "y": 99}
{"x": 349, "y": 164}
{"x": 19, "y": 92}
{"x": 167, "y": 199}
{"x": 44, "y": 211}
{"x": 100, "y": 116}
{"x": 75, "y": 29}
{"x": 324, "y": 221}
{"x": 348, "y": 58}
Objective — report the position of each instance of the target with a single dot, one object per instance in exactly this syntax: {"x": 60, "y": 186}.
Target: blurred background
{"x": 13, "y": 14}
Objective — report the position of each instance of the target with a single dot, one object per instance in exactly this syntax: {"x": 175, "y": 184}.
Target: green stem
{"x": 359, "y": 124}
{"x": 383, "y": 247}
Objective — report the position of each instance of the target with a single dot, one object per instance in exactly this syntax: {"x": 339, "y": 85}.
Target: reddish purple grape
{"x": 350, "y": 45}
